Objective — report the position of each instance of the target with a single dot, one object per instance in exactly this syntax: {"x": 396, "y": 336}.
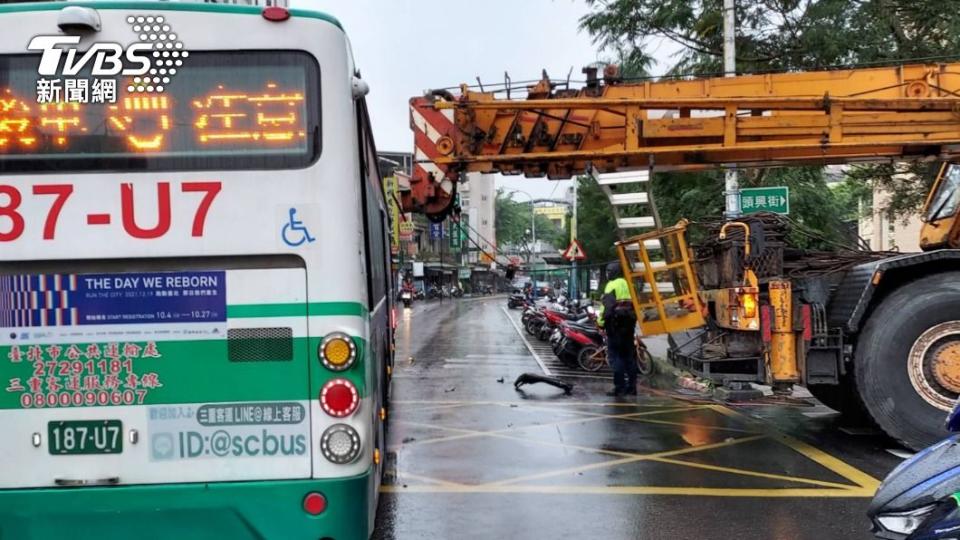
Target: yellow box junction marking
{"x": 863, "y": 485}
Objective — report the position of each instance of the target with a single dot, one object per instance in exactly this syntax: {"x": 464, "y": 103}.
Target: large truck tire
{"x": 907, "y": 363}
{"x": 842, "y": 398}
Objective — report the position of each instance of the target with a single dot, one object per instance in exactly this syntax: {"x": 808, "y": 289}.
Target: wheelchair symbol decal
{"x": 294, "y": 233}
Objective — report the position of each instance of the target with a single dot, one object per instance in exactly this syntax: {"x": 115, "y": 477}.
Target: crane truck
{"x": 880, "y": 336}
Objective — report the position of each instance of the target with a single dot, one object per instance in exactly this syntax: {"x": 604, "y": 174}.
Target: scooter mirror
{"x": 953, "y": 420}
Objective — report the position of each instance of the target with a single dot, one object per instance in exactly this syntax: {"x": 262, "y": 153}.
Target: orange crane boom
{"x": 822, "y": 117}
{"x": 859, "y": 338}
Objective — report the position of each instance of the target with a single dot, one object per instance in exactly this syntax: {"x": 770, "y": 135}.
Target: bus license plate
{"x": 85, "y": 437}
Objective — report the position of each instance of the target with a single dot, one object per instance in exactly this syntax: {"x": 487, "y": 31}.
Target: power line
{"x": 479, "y": 247}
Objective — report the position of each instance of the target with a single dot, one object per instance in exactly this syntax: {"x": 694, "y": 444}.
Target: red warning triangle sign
{"x": 575, "y": 252}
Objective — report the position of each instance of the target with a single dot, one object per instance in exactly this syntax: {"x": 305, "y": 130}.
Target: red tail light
{"x": 314, "y": 504}
{"x": 275, "y": 13}
{"x": 339, "y": 398}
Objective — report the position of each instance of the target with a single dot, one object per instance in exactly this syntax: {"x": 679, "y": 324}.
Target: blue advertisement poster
{"x": 127, "y": 298}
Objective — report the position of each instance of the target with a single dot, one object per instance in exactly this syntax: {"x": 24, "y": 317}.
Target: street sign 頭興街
{"x": 765, "y": 199}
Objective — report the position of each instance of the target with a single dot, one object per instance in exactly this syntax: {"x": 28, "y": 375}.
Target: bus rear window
{"x": 216, "y": 110}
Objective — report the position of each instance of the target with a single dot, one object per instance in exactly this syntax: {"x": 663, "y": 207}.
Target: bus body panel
{"x": 235, "y": 510}
{"x": 247, "y": 217}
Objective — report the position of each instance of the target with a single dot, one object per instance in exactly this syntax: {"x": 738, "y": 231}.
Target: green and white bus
{"x": 195, "y": 293}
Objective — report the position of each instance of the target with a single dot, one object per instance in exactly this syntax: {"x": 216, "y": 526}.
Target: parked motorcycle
{"x": 575, "y": 337}
{"x": 516, "y": 299}
{"x": 542, "y": 321}
{"x": 534, "y": 321}
{"x": 919, "y": 499}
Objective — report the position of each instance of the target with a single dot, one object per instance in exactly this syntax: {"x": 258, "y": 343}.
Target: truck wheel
{"x": 841, "y": 398}
{"x": 907, "y": 364}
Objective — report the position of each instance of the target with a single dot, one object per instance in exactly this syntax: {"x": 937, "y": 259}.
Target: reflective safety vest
{"x": 621, "y": 293}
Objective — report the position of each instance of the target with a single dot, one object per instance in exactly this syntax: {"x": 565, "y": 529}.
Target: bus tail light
{"x": 275, "y": 13}
{"x": 337, "y": 351}
{"x": 314, "y": 503}
{"x": 340, "y": 444}
{"x": 339, "y": 398}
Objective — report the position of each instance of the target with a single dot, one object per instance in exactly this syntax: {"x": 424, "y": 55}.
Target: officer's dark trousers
{"x": 623, "y": 362}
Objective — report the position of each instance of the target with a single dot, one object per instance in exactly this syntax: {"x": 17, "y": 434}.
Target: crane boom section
{"x": 837, "y": 116}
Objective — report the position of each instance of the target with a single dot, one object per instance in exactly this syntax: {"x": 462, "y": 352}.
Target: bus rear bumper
{"x": 235, "y": 510}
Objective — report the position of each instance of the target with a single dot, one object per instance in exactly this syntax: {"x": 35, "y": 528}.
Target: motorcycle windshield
{"x": 923, "y": 479}
{"x": 953, "y": 421}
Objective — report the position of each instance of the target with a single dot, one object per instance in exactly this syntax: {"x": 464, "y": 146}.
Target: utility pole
{"x": 574, "y": 289}
{"x": 732, "y": 181}
{"x": 533, "y": 232}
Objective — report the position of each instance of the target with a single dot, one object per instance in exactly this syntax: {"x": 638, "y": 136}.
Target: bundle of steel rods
{"x": 776, "y": 229}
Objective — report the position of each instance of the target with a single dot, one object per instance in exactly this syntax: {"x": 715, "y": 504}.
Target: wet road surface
{"x": 470, "y": 457}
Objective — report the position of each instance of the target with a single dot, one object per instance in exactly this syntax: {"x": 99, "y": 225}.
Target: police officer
{"x": 619, "y": 320}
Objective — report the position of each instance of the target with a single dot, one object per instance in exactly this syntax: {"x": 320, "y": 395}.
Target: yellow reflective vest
{"x": 617, "y": 287}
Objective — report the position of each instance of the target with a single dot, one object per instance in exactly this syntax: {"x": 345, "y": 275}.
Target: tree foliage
{"x": 778, "y": 35}
{"x": 596, "y": 227}
{"x": 784, "y": 35}
{"x": 698, "y": 197}
{"x": 514, "y": 227}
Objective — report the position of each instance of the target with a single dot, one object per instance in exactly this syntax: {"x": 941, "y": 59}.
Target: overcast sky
{"x": 404, "y": 47}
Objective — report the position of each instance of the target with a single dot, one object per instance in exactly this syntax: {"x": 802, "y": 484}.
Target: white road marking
{"x": 516, "y": 327}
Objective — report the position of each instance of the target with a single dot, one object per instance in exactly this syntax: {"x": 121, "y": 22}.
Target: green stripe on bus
{"x": 315, "y": 309}
{"x": 193, "y": 371}
{"x": 166, "y": 6}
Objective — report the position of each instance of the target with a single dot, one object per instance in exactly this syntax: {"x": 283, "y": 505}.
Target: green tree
{"x": 513, "y": 224}
{"x": 698, "y": 197}
{"x": 511, "y": 218}
{"x": 783, "y": 35}
{"x": 596, "y": 228}
{"x": 779, "y": 34}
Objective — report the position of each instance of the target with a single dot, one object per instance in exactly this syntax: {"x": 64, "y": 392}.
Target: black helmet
{"x": 614, "y": 270}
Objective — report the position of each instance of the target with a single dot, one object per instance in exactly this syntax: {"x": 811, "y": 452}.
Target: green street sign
{"x": 765, "y": 199}
{"x": 458, "y": 233}
{"x": 454, "y": 235}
